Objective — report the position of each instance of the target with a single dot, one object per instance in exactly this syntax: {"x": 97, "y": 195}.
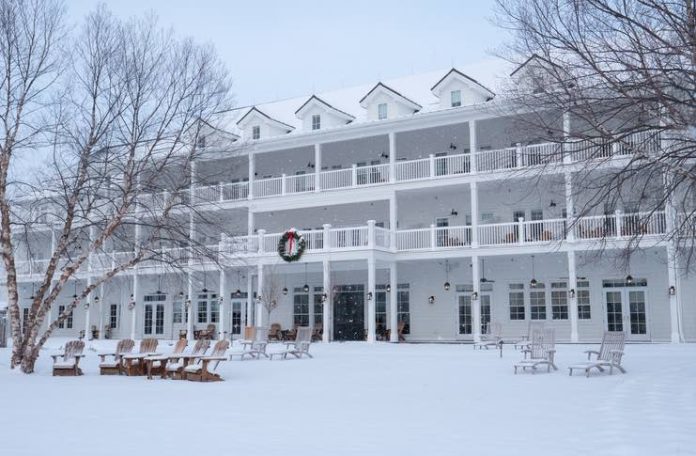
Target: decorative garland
{"x": 291, "y": 245}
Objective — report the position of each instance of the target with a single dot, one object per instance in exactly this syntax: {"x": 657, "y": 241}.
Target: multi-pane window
{"x": 465, "y": 318}
{"x": 236, "y": 317}
{"x": 159, "y": 319}
{"x": 113, "y": 316}
{"x": 207, "y": 308}
{"x": 382, "y": 111}
{"x": 485, "y": 311}
{"x": 300, "y": 308}
{"x": 537, "y": 302}
{"x": 68, "y": 322}
{"x": 559, "y": 300}
{"x": 318, "y": 306}
{"x": 456, "y": 98}
{"x": 316, "y": 122}
{"x": 178, "y": 314}
{"x": 214, "y": 309}
{"x": 516, "y": 298}
{"x": 256, "y": 132}
{"x": 403, "y": 306}
{"x": 381, "y": 307}
{"x": 583, "y": 299}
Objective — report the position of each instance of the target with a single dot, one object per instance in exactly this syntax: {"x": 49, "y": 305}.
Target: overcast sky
{"x": 286, "y": 48}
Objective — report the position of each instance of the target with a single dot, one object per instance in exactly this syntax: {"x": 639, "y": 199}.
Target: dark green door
{"x": 349, "y": 313}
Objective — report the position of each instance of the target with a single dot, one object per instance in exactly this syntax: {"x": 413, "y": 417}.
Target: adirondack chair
{"x": 158, "y": 364}
{"x": 490, "y": 337}
{"x": 541, "y": 351}
{"x": 177, "y": 362}
{"x": 207, "y": 333}
{"x": 254, "y": 348}
{"x": 69, "y": 366}
{"x": 298, "y": 347}
{"x": 609, "y": 355}
{"x": 275, "y": 332}
{"x": 525, "y": 340}
{"x": 114, "y": 366}
{"x": 249, "y": 334}
{"x": 203, "y": 369}
{"x": 134, "y": 363}
{"x": 317, "y": 332}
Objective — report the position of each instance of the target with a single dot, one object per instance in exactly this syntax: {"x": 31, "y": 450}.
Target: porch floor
{"x": 355, "y": 398}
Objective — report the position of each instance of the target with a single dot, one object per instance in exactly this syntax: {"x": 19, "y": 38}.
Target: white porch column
{"x": 326, "y": 305}
{"x": 474, "y": 214}
{"x": 88, "y": 305}
{"x": 190, "y": 301}
{"x": 392, "y": 157}
{"x": 393, "y": 219}
{"x": 250, "y": 223}
{"x": 674, "y": 308}
{"x": 252, "y": 172}
{"x": 472, "y": 146}
{"x": 101, "y": 311}
{"x": 133, "y": 305}
{"x": 566, "y": 135}
{"x": 393, "y": 305}
{"x": 250, "y": 299}
{"x": 317, "y": 167}
{"x": 371, "y": 314}
{"x": 222, "y": 333}
{"x": 570, "y": 207}
{"x": 259, "y": 295}
{"x": 573, "y": 296}
{"x": 476, "y": 303}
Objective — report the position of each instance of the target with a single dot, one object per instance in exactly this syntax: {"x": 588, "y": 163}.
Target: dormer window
{"x": 256, "y": 132}
{"x": 382, "y": 111}
{"x": 456, "y": 98}
{"x": 316, "y": 122}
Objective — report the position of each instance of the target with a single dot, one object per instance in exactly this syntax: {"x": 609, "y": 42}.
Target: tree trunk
{"x": 28, "y": 361}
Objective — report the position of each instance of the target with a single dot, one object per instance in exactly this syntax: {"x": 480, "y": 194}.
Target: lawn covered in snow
{"x": 360, "y": 399}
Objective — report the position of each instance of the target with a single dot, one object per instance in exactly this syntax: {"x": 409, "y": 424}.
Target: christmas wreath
{"x": 291, "y": 245}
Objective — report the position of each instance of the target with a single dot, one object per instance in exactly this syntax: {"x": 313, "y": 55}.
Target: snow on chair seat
{"x": 70, "y": 359}
{"x": 177, "y": 362}
{"x": 490, "y": 337}
{"x": 541, "y": 351}
{"x": 201, "y": 371}
{"x": 114, "y": 367}
{"x": 609, "y": 355}
{"x": 298, "y": 347}
{"x": 255, "y": 347}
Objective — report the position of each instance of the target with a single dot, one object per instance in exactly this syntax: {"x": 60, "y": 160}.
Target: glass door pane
{"x": 147, "y": 320}
{"x": 465, "y": 314}
{"x": 636, "y": 302}
{"x": 485, "y": 311}
{"x": 614, "y": 311}
{"x": 159, "y": 319}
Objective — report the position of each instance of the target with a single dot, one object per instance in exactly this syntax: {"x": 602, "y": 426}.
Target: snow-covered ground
{"x": 359, "y": 399}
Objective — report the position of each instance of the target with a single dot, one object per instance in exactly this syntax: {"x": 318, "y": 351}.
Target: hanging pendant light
{"x": 533, "y": 283}
{"x": 32, "y": 297}
{"x": 205, "y": 284}
{"x": 285, "y": 291}
{"x": 447, "y": 283}
{"x": 629, "y": 279}
{"x": 389, "y": 288}
{"x": 306, "y": 286}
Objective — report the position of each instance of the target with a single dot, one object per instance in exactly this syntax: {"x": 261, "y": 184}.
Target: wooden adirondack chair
{"x": 203, "y": 370}
{"x": 275, "y": 332}
{"x": 490, "y": 337}
{"x": 208, "y": 333}
{"x": 69, "y": 366}
{"x": 158, "y": 364}
{"x": 177, "y": 362}
{"x": 115, "y": 366}
{"x": 298, "y": 347}
{"x": 317, "y": 332}
{"x": 134, "y": 363}
{"x": 254, "y": 348}
{"x": 525, "y": 340}
{"x": 609, "y": 355}
{"x": 541, "y": 351}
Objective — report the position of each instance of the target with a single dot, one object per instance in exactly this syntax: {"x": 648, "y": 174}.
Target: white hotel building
{"x": 398, "y": 188}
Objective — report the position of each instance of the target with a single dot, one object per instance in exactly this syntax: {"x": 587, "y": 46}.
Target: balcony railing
{"x": 618, "y": 226}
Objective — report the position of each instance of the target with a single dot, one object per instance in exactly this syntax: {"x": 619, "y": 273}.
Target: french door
{"x": 153, "y": 320}
{"x": 626, "y": 310}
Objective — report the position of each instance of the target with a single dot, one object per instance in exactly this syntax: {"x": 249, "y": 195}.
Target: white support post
{"x": 134, "y": 310}
{"x": 101, "y": 310}
{"x": 520, "y": 230}
{"x": 252, "y": 175}
{"x": 573, "y": 296}
{"x": 674, "y": 308}
{"x": 393, "y": 220}
{"x": 221, "y": 191}
{"x": 262, "y": 233}
{"x": 189, "y": 311}
{"x": 570, "y": 207}
{"x": 474, "y": 214}
{"x": 192, "y": 186}
{"x": 283, "y": 184}
{"x": 259, "y": 295}
{"x": 392, "y": 157}
{"x": 566, "y": 136}
{"x": 222, "y": 334}
{"x": 393, "y": 305}
{"x": 317, "y": 167}
{"x": 371, "y": 234}
{"x": 326, "y": 241}
{"x": 476, "y": 303}
{"x": 519, "y": 157}
{"x": 326, "y": 305}
{"x": 354, "y": 175}
{"x": 250, "y": 223}
{"x": 431, "y": 165}
{"x": 472, "y": 147}
{"x": 371, "y": 298}
{"x": 88, "y": 306}
{"x": 619, "y": 223}
{"x": 250, "y": 299}
{"x": 433, "y": 237}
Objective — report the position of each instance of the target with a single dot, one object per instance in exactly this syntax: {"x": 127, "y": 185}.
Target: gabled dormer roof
{"x": 382, "y": 88}
{"x": 254, "y": 111}
{"x": 534, "y": 57}
{"x": 455, "y": 74}
{"x": 316, "y": 101}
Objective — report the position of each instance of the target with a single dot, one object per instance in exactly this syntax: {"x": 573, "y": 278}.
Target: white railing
{"x": 299, "y": 183}
{"x": 373, "y": 174}
{"x": 452, "y": 236}
{"x": 450, "y": 165}
{"x": 494, "y": 160}
{"x": 499, "y": 233}
{"x": 207, "y": 193}
{"x": 414, "y": 239}
{"x": 595, "y": 227}
{"x": 337, "y": 178}
{"x": 383, "y": 238}
{"x": 270, "y": 241}
{"x": 264, "y": 188}
{"x": 314, "y": 239}
{"x": 542, "y": 154}
{"x": 642, "y": 224}
{"x": 413, "y": 169}
{"x": 234, "y": 191}
{"x": 545, "y": 230}
{"x": 345, "y": 238}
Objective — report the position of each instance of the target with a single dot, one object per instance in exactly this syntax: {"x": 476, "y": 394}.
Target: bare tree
{"x": 271, "y": 291}
{"x": 624, "y": 72}
{"x": 114, "y": 114}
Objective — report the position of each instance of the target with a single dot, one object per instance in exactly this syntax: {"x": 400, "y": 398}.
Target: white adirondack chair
{"x": 254, "y": 348}
{"x": 609, "y": 355}
{"x": 298, "y": 347}
{"x": 490, "y": 337}
{"x": 541, "y": 351}
{"x": 525, "y": 339}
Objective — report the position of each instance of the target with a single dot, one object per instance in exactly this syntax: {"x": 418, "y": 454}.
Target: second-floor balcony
{"x": 617, "y": 226}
